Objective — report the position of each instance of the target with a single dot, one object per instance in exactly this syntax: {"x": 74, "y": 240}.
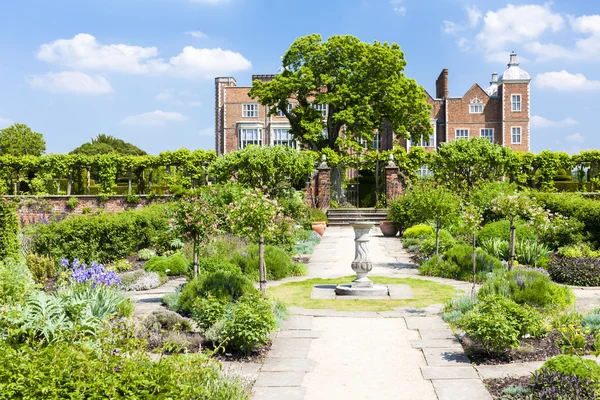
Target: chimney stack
{"x": 441, "y": 85}
{"x": 494, "y": 78}
{"x": 513, "y": 59}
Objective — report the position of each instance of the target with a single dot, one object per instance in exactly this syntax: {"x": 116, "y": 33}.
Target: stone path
{"x": 325, "y": 354}
{"x": 147, "y": 301}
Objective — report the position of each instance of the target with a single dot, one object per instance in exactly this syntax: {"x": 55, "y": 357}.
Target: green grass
{"x": 425, "y": 293}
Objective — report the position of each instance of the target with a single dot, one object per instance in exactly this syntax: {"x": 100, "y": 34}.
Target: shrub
{"x": 552, "y": 385}
{"x": 141, "y": 280}
{"x": 592, "y": 321}
{"x": 579, "y": 271}
{"x": 497, "y": 322}
{"x": 456, "y": 308}
{"x": 16, "y": 282}
{"x": 579, "y": 250}
{"x": 42, "y": 268}
{"x": 279, "y": 263}
{"x": 530, "y": 252}
{"x": 121, "y": 265}
{"x": 446, "y": 241}
{"x": 72, "y": 203}
{"x": 501, "y": 230}
{"x": 146, "y": 254}
{"x": 418, "y": 232}
{"x": 169, "y": 331}
{"x": 457, "y": 263}
{"x": 529, "y": 287}
{"x": 403, "y": 212}
{"x": 104, "y": 237}
{"x": 223, "y": 247}
{"x": 496, "y": 247}
{"x": 564, "y": 232}
{"x": 167, "y": 321}
{"x": 171, "y": 300}
{"x": 316, "y": 214}
{"x": 249, "y": 322}
{"x": 209, "y": 265}
{"x": 9, "y": 229}
{"x": 221, "y": 285}
{"x": 574, "y": 365}
{"x": 208, "y": 310}
{"x": 175, "y": 264}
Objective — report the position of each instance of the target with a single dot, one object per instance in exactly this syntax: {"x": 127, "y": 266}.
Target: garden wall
{"x": 33, "y": 209}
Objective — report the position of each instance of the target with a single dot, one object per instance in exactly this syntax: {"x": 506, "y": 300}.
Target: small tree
{"x": 512, "y": 206}
{"x": 255, "y": 217}
{"x": 194, "y": 219}
{"x": 20, "y": 140}
{"x": 472, "y": 217}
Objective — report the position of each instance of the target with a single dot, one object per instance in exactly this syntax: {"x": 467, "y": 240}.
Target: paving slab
{"x": 449, "y": 372}
{"x": 445, "y": 357}
{"x": 297, "y": 322}
{"x": 436, "y": 343}
{"x": 279, "y": 393}
{"x": 242, "y": 368}
{"x": 508, "y": 370}
{"x": 461, "y": 389}
{"x": 299, "y": 334}
{"x": 279, "y": 379}
{"x": 400, "y": 292}
{"x": 426, "y": 323}
{"x": 287, "y": 365}
{"x": 428, "y": 334}
{"x": 290, "y": 347}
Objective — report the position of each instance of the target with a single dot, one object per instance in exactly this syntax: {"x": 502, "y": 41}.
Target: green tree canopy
{"x": 105, "y": 144}
{"x": 361, "y": 85}
{"x": 20, "y": 140}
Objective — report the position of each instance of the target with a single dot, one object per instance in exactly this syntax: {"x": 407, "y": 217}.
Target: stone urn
{"x": 319, "y": 227}
{"x": 388, "y": 228}
{"x": 362, "y": 265}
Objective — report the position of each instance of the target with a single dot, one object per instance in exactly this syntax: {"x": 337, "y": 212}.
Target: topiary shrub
{"x": 418, "y": 232}
{"x": 457, "y": 263}
{"x": 279, "y": 263}
{"x": 42, "y": 268}
{"x": 527, "y": 286}
{"x": 446, "y": 241}
{"x": 569, "y": 364}
{"x": 175, "y": 264}
{"x": 552, "y": 385}
{"x": 579, "y": 271}
{"x": 9, "y": 230}
{"x": 497, "y": 323}
{"x": 501, "y": 230}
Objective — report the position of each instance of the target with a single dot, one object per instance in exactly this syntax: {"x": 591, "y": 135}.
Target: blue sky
{"x": 143, "y": 70}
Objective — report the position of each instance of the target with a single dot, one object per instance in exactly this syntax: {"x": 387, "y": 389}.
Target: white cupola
{"x": 514, "y": 72}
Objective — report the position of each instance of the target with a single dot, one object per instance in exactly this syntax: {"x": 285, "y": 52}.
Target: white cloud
{"x": 464, "y": 44}
{"x": 207, "y": 132}
{"x": 450, "y": 27}
{"x": 474, "y": 15}
{"x": 566, "y": 81}
{"x": 170, "y": 96}
{"x": 398, "y": 7}
{"x": 71, "y": 82}
{"x": 197, "y": 34}
{"x": 538, "y": 121}
{"x": 195, "y": 103}
{"x": 576, "y": 138}
{"x": 154, "y": 118}
{"x": 4, "y": 122}
{"x": 84, "y": 52}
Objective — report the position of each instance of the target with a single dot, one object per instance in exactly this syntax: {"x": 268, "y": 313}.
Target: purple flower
{"x": 94, "y": 274}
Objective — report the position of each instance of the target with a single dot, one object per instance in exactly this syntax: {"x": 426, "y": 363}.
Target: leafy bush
{"x": 403, "y": 212}
{"x": 564, "y": 232}
{"x": 169, "y": 331}
{"x": 104, "y": 237}
{"x": 121, "y": 265}
{"x": 418, "y": 232}
{"x": 496, "y": 247}
{"x": 42, "y": 268}
{"x": 175, "y": 264}
{"x": 171, "y": 300}
{"x": 279, "y": 263}
{"x": 530, "y": 252}
{"x": 497, "y": 323}
{"x": 457, "y": 263}
{"x": 209, "y": 265}
{"x": 221, "y": 285}
{"x": 249, "y": 322}
{"x": 579, "y": 250}
{"x": 552, "y": 385}
{"x": 456, "y": 308}
{"x": 146, "y": 254}
{"x": 66, "y": 370}
{"x": 223, "y": 247}
{"x": 579, "y": 271}
{"x": 72, "y": 203}
{"x": 16, "y": 282}
{"x": 9, "y": 229}
{"x": 208, "y": 310}
{"x": 574, "y": 365}
{"x": 530, "y": 287}
{"x": 316, "y": 214}
{"x": 446, "y": 241}
{"x": 501, "y": 230}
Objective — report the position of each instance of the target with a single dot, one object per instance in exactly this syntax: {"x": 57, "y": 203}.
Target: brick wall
{"x": 516, "y": 118}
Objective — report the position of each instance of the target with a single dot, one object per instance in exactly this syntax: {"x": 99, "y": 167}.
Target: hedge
{"x": 9, "y": 229}
{"x": 578, "y": 271}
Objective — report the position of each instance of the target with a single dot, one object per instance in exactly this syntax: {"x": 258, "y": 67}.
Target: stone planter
{"x": 388, "y": 228}
{"x": 319, "y": 227}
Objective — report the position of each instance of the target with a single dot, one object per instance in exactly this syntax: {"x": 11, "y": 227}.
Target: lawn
{"x": 425, "y": 293}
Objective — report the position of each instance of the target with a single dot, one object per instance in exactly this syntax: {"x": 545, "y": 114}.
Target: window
{"x": 462, "y": 133}
{"x": 325, "y": 133}
{"x": 487, "y": 133}
{"x": 289, "y": 108}
{"x": 320, "y": 107}
{"x": 283, "y": 137}
{"x": 515, "y": 100}
{"x": 426, "y": 143}
{"x": 250, "y": 110}
{"x": 424, "y": 172}
{"x": 250, "y": 136}
{"x": 476, "y": 106}
{"x": 377, "y": 141}
{"x": 516, "y": 135}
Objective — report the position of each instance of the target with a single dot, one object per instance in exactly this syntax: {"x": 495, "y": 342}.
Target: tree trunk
{"x": 474, "y": 266}
{"x": 196, "y": 259}
{"x": 129, "y": 183}
{"x": 511, "y": 250}
{"x": 438, "y": 226}
{"x": 69, "y": 183}
{"x": 262, "y": 273}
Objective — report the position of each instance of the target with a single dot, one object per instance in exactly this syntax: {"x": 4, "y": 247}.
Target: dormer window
{"x": 476, "y": 106}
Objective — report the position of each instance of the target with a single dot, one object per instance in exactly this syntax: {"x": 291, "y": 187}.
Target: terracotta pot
{"x": 319, "y": 227}
{"x": 388, "y": 228}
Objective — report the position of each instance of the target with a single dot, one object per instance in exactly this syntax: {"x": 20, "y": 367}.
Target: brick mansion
{"x": 499, "y": 113}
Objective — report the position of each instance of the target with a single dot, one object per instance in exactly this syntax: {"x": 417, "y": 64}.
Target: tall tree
{"x": 104, "y": 144}
{"x": 359, "y": 85}
{"x": 20, "y": 140}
